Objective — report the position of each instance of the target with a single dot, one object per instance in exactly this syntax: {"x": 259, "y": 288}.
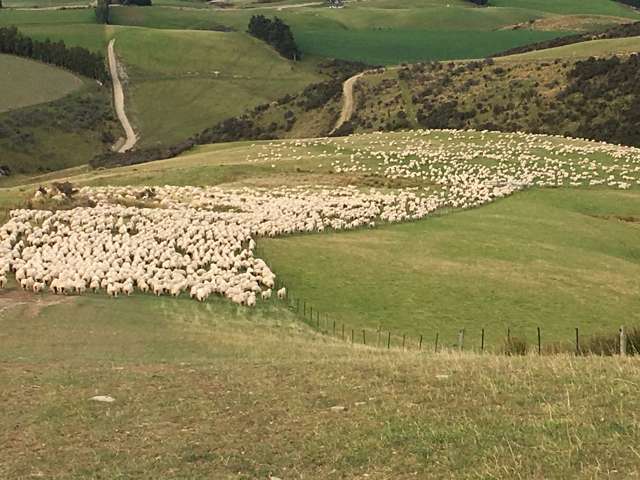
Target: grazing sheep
{"x": 202, "y": 239}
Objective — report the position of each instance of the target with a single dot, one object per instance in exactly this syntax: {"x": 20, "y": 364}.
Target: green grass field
{"x": 44, "y": 3}
{"x": 597, "y": 48}
{"x": 219, "y": 401}
{"x": 385, "y": 33}
{"x": 554, "y": 259}
{"x": 26, "y": 82}
{"x": 209, "y": 391}
{"x": 392, "y": 47}
{"x": 223, "y": 74}
{"x": 565, "y": 7}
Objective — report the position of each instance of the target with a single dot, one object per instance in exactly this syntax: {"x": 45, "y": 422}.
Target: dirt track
{"x": 118, "y": 98}
{"x": 348, "y": 105}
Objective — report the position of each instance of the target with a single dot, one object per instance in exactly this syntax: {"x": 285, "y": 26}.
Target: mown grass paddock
{"x": 26, "y": 82}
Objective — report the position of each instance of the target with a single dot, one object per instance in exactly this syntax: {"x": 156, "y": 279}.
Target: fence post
{"x": 623, "y": 342}
{"x": 379, "y": 333}
{"x": 539, "y": 342}
{"x": 343, "y": 332}
{"x": 436, "y": 347}
{"x": 304, "y": 309}
{"x": 310, "y": 313}
{"x": 389, "y": 340}
{"x": 404, "y": 338}
{"x": 317, "y": 322}
{"x": 364, "y": 340}
{"x": 352, "y": 336}
{"x": 577, "y": 342}
{"x": 334, "y": 328}
{"x": 482, "y": 342}
{"x": 461, "y": 340}
{"x": 420, "y": 345}
{"x": 508, "y": 336}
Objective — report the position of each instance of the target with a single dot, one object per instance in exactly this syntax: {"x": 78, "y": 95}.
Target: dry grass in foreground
{"x": 211, "y": 391}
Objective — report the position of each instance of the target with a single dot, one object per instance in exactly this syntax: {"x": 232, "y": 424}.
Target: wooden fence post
{"x": 577, "y": 342}
{"x": 304, "y": 309}
{"x": 389, "y": 340}
{"x": 404, "y": 338}
{"x": 435, "y": 350}
{"x": 623, "y": 342}
{"x": 539, "y": 342}
{"x": 461, "y": 340}
{"x": 364, "y": 340}
{"x": 352, "y": 336}
{"x": 482, "y": 342}
{"x": 343, "y": 332}
{"x": 334, "y": 328}
{"x": 420, "y": 344}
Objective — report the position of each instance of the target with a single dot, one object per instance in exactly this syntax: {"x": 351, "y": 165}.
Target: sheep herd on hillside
{"x": 201, "y": 241}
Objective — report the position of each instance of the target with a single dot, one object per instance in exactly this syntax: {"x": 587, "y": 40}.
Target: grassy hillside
{"x": 555, "y": 259}
{"x": 58, "y": 134}
{"x": 43, "y": 3}
{"x": 516, "y": 93}
{"x": 26, "y": 82}
{"x": 597, "y": 7}
{"x": 598, "y": 48}
{"x": 551, "y": 259}
{"x": 223, "y": 74}
{"x": 379, "y": 32}
{"x": 206, "y": 391}
{"x": 75, "y": 27}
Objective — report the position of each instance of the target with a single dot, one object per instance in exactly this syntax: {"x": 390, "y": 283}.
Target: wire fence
{"x": 626, "y": 341}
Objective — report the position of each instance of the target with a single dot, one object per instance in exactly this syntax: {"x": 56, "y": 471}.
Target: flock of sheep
{"x": 202, "y": 240}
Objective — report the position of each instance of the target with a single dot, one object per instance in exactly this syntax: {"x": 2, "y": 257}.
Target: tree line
{"x": 76, "y": 59}
{"x": 276, "y": 33}
{"x": 633, "y": 3}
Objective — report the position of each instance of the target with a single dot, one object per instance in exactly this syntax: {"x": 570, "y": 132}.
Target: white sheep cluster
{"x": 188, "y": 239}
{"x": 468, "y": 159}
{"x": 202, "y": 240}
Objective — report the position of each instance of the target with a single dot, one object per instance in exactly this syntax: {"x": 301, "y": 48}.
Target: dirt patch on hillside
{"x": 12, "y": 298}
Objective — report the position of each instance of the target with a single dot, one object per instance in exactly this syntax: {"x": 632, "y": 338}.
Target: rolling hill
{"x": 26, "y": 82}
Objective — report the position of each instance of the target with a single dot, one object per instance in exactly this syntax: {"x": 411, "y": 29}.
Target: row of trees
{"x": 276, "y": 33}
{"x": 480, "y": 2}
{"x": 76, "y": 59}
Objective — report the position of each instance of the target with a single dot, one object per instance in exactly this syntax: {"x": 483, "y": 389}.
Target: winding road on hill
{"x": 118, "y": 99}
{"x": 348, "y": 105}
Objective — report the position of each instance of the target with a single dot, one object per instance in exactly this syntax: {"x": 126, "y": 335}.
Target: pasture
{"x": 213, "y": 391}
{"x": 384, "y": 33}
{"x": 558, "y": 256}
{"x": 223, "y": 75}
{"x": 26, "y": 82}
